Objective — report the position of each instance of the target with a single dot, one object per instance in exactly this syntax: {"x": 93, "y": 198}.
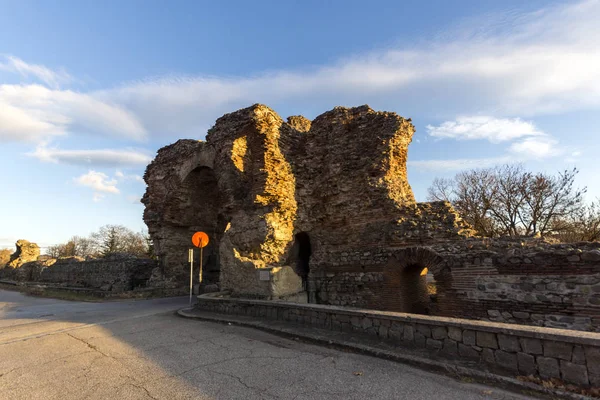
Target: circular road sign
{"x": 200, "y": 239}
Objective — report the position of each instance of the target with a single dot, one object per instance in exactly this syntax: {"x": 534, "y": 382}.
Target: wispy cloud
{"x": 36, "y": 113}
{"x": 458, "y": 164}
{"x": 484, "y": 127}
{"x": 529, "y": 64}
{"x": 99, "y": 182}
{"x": 527, "y": 141}
{"x": 536, "y": 148}
{"x": 50, "y": 77}
{"x": 95, "y": 158}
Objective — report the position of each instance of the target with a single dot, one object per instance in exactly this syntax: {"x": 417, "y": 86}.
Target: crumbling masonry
{"x": 328, "y": 200}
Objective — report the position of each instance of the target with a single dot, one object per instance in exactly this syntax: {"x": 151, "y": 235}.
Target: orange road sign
{"x": 200, "y": 239}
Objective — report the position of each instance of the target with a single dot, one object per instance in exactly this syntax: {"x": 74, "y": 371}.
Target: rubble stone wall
{"x": 115, "y": 274}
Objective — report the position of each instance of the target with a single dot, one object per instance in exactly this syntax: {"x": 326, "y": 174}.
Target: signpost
{"x": 200, "y": 240}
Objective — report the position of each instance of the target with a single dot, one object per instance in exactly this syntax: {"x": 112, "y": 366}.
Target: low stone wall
{"x": 513, "y": 349}
{"x": 112, "y": 274}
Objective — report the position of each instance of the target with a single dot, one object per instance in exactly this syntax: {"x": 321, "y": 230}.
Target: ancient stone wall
{"x": 116, "y": 273}
{"x": 330, "y": 198}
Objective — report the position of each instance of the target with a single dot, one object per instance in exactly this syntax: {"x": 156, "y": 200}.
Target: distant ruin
{"x": 330, "y": 199}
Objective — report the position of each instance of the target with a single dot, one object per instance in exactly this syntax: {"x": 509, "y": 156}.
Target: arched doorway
{"x": 300, "y": 256}
{"x": 410, "y": 281}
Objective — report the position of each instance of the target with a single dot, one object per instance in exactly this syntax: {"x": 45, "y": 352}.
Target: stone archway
{"x": 193, "y": 205}
{"x": 406, "y": 287}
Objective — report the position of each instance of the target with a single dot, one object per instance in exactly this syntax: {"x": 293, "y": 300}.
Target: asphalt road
{"x": 52, "y": 349}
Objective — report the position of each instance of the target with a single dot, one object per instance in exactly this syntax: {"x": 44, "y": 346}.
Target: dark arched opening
{"x": 415, "y": 280}
{"x": 301, "y": 252}
{"x": 414, "y": 290}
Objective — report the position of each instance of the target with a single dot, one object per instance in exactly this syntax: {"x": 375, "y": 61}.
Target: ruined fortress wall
{"x": 530, "y": 283}
{"x": 116, "y": 273}
{"x": 332, "y": 196}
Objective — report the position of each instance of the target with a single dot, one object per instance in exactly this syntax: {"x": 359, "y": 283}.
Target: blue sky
{"x": 90, "y": 90}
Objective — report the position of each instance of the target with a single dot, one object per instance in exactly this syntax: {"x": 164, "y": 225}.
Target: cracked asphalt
{"x": 52, "y": 349}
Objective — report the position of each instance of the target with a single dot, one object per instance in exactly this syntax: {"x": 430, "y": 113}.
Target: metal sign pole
{"x": 200, "y": 278}
{"x": 191, "y": 260}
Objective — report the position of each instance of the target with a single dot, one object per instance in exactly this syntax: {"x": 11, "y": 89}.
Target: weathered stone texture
{"x": 26, "y": 252}
{"x": 259, "y": 183}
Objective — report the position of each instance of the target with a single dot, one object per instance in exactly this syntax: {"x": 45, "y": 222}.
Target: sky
{"x": 90, "y": 90}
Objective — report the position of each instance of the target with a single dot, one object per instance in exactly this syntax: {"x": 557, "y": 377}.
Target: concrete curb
{"x": 426, "y": 364}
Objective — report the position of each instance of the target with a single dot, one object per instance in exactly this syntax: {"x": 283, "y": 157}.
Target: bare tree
{"x": 551, "y": 198}
{"x": 508, "y": 200}
{"x": 112, "y": 239}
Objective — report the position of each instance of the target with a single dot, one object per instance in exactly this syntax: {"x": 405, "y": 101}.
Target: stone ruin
{"x": 25, "y": 252}
{"x": 113, "y": 274}
{"x": 322, "y": 210}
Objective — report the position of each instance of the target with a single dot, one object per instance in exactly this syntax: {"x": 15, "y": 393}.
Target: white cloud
{"x": 99, "y": 182}
{"x": 536, "y": 148}
{"x": 49, "y": 77}
{"x": 101, "y": 158}
{"x": 458, "y": 164}
{"x": 36, "y": 113}
{"x": 527, "y": 64}
{"x": 484, "y": 127}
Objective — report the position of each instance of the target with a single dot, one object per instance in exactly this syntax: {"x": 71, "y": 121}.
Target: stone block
{"x": 395, "y": 335}
{"x": 424, "y": 330}
{"x": 420, "y": 339}
{"x": 560, "y": 350}
{"x": 594, "y": 380}
{"x": 434, "y": 344}
{"x": 578, "y": 355}
{"x": 574, "y": 373}
{"x": 455, "y": 333}
{"x": 409, "y": 335}
{"x": 506, "y": 360}
{"x": 493, "y": 313}
{"x": 487, "y": 339}
{"x": 439, "y": 333}
{"x": 509, "y": 343}
{"x": 592, "y": 358}
{"x": 469, "y": 338}
{"x": 548, "y": 367}
{"x": 450, "y": 347}
{"x": 531, "y": 346}
{"x": 526, "y": 364}
{"x": 520, "y": 315}
{"x": 467, "y": 351}
{"x": 487, "y": 355}
{"x": 383, "y": 332}
{"x": 366, "y": 323}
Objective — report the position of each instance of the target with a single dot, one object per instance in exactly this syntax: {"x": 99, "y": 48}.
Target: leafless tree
{"x": 508, "y": 200}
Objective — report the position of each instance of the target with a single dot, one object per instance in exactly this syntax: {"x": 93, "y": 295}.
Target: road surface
{"x": 53, "y": 349}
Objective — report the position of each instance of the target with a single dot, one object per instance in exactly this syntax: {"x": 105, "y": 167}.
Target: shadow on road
{"x": 53, "y": 349}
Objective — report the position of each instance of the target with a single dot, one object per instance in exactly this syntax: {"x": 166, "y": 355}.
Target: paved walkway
{"x": 52, "y": 349}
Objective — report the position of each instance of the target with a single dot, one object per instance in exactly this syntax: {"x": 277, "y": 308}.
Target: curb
{"x": 426, "y": 364}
